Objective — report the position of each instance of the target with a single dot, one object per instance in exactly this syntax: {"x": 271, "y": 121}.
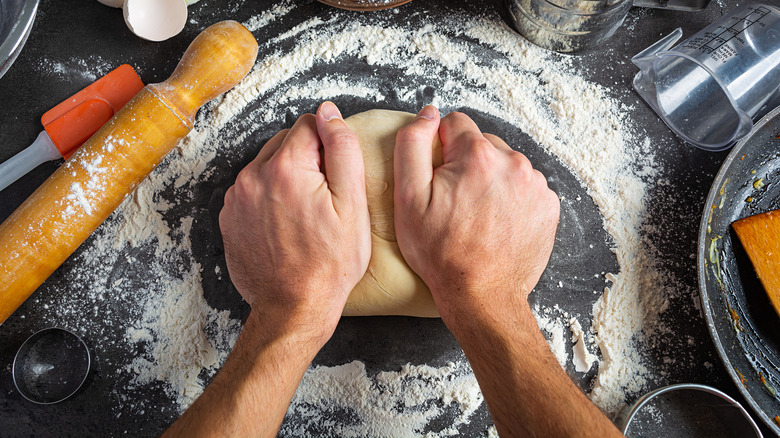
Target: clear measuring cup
{"x": 709, "y": 88}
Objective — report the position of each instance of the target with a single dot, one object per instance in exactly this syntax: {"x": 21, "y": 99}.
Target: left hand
{"x": 296, "y": 226}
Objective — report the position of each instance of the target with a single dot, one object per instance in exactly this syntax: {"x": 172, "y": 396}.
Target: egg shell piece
{"x": 113, "y": 3}
{"x": 155, "y": 20}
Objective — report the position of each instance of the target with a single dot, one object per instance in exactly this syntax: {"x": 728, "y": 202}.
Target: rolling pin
{"x": 45, "y": 230}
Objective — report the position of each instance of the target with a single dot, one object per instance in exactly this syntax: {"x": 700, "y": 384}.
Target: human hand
{"x": 295, "y": 224}
{"x": 479, "y": 229}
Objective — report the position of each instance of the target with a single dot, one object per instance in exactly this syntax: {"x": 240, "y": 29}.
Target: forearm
{"x": 251, "y": 393}
{"x": 527, "y": 392}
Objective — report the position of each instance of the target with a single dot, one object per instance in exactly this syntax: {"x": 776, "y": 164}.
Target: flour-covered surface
{"x": 150, "y": 293}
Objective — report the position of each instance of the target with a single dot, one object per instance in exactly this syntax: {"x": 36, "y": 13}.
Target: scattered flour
{"x": 89, "y": 69}
{"x": 582, "y": 358}
{"x": 398, "y": 404}
{"x": 181, "y": 341}
{"x": 267, "y": 17}
{"x": 178, "y": 321}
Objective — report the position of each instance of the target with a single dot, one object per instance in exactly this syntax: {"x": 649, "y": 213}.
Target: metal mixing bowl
{"x": 687, "y": 410}
{"x": 16, "y": 20}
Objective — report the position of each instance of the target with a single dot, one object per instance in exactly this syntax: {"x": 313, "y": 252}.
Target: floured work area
{"x": 150, "y": 294}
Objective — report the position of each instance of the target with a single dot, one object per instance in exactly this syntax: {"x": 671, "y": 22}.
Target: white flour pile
{"x": 398, "y": 404}
{"x": 467, "y": 62}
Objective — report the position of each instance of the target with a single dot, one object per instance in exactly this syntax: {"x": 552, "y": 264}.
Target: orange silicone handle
{"x": 73, "y": 121}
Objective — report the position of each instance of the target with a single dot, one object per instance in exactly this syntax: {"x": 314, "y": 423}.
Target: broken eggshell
{"x": 113, "y": 3}
{"x": 120, "y": 3}
{"x": 155, "y": 20}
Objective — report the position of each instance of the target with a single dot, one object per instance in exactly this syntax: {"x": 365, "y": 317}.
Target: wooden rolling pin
{"x": 82, "y": 193}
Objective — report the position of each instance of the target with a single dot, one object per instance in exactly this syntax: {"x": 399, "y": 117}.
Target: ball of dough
{"x": 389, "y": 286}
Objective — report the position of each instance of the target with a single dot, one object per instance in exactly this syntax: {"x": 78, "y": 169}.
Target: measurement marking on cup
{"x": 750, "y": 19}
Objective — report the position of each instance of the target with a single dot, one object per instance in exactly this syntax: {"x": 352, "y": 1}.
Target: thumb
{"x": 413, "y": 169}
{"x": 343, "y": 159}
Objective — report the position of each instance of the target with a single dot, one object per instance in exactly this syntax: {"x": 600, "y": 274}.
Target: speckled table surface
{"x": 87, "y": 31}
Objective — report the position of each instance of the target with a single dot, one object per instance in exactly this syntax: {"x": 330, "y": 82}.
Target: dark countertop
{"x": 89, "y": 30}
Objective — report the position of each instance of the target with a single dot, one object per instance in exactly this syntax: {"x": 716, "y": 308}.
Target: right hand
{"x": 479, "y": 229}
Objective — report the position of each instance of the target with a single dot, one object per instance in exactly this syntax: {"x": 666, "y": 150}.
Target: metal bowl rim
{"x": 647, "y": 398}
{"x": 700, "y": 265}
{"x": 20, "y": 29}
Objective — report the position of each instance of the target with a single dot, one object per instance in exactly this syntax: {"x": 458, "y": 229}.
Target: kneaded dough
{"x": 389, "y": 287}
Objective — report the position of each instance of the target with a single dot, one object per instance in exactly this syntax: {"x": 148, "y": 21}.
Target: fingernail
{"x": 329, "y": 111}
{"x": 429, "y": 112}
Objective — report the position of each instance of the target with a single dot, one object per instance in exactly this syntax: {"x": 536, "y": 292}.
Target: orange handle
{"x": 80, "y": 195}
{"x": 74, "y": 121}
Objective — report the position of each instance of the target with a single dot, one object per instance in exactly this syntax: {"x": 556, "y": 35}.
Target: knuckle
{"x": 243, "y": 180}
{"x": 223, "y": 217}
{"x": 481, "y": 152}
{"x": 229, "y": 194}
{"x": 243, "y": 188}
{"x": 284, "y": 158}
{"x": 458, "y": 116}
{"x": 553, "y": 198}
{"x": 520, "y": 162}
{"x": 279, "y": 168}
{"x": 404, "y": 197}
{"x": 454, "y": 119}
{"x": 283, "y": 133}
{"x": 307, "y": 118}
{"x": 411, "y": 134}
{"x": 476, "y": 139}
{"x": 409, "y": 205}
{"x": 340, "y": 136}
{"x": 494, "y": 139}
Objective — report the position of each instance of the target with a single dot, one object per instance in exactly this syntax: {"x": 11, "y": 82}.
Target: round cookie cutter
{"x": 50, "y": 366}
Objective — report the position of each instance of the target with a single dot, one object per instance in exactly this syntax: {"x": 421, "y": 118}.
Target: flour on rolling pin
{"x": 83, "y": 196}
{"x": 48, "y": 226}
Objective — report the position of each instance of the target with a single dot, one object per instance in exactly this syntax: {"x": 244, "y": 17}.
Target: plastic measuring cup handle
{"x": 39, "y": 152}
